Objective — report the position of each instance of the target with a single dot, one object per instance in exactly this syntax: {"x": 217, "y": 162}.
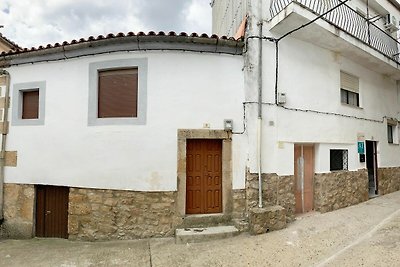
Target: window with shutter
{"x": 349, "y": 89}
{"x": 30, "y": 104}
{"x": 117, "y": 93}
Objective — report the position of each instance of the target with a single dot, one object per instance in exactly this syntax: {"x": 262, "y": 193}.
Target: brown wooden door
{"x": 304, "y": 177}
{"x": 52, "y": 211}
{"x": 203, "y": 176}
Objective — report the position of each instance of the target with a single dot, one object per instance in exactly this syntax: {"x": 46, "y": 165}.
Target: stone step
{"x": 241, "y": 224}
{"x": 206, "y": 220}
{"x": 195, "y": 235}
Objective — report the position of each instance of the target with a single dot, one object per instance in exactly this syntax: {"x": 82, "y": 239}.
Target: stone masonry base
{"x": 96, "y": 214}
{"x": 18, "y": 211}
{"x": 388, "y": 180}
{"x": 277, "y": 190}
{"x": 263, "y": 220}
{"x": 110, "y": 214}
{"x": 336, "y": 190}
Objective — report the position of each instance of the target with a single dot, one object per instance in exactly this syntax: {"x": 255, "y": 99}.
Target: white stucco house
{"x": 135, "y": 135}
{"x": 322, "y": 87}
{"x": 99, "y": 130}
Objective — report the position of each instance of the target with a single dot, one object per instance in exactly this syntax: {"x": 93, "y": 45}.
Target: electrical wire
{"x": 322, "y": 112}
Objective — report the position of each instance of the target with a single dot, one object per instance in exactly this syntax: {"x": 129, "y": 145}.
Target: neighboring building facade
{"x": 102, "y": 131}
{"x": 330, "y": 107}
{"x": 7, "y": 45}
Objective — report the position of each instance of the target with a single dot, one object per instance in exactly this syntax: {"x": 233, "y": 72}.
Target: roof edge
{"x": 119, "y": 43}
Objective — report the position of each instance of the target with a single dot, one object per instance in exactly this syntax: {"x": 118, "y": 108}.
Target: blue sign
{"x": 361, "y": 149}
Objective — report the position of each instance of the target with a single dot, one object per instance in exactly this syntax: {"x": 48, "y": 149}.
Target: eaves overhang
{"x": 120, "y": 43}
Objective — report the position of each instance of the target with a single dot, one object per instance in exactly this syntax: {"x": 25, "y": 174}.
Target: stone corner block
{"x": 263, "y": 220}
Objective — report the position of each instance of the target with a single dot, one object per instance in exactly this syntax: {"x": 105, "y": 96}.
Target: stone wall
{"x": 239, "y": 204}
{"x": 110, "y": 214}
{"x": 18, "y": 211}
{"x": 388, "y": 180}
{"x": 340, "y": 189}
{"x": 277, "y": 190}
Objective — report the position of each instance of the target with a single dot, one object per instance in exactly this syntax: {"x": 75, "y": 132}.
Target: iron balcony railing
{"x": 349, "y": 21}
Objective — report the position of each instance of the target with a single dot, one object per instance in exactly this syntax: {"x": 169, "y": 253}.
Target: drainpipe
{"x": 3, "y": 143}
{"x": 259, "y": 119}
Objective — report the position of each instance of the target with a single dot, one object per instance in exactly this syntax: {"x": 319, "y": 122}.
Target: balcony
{"x": 342, "y": 30}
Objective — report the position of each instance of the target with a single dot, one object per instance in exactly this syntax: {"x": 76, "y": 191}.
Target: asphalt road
{"x": 367, "y": 234}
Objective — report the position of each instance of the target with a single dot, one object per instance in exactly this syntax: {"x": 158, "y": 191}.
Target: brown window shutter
{"x": 30, "y": 104}
{"x": 118, "y": 93}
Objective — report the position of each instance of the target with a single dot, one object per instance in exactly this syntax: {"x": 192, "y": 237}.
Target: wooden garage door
{"x": 52, "y": 211}
{"x": 203, "y": 176}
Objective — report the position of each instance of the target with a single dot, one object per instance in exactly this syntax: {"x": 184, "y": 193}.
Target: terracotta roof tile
{"x": 110, "y": 36}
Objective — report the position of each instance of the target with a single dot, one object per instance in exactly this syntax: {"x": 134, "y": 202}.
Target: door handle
{"x": 48, "y": 212}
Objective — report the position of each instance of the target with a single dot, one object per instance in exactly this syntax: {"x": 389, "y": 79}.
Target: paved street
{"x": 364, "y": 235}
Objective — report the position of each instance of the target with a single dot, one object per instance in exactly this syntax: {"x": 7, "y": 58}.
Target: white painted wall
{"x": 184, "y": 91}
{"x": 310, "y": 76}
{"x": 311, "y": 80}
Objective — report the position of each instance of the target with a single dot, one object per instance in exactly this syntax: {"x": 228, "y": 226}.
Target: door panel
{"x": 304, "y": 177}
{"x": 52, "y": 211}
{"x": 206, "y": 170}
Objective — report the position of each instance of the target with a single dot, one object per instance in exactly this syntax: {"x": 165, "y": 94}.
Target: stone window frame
{"x": 142, "y": 65}
{"x": 18, "y": 90}
{"x": 227, "y": 176}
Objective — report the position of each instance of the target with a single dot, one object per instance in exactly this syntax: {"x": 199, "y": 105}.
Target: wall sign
{"x": 361, "y": 148}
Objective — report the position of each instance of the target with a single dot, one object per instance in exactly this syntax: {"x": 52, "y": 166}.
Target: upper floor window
{"x": 28, "y": 103}
{"x": 349, "y": 89}
{"x": 118, "y": 92}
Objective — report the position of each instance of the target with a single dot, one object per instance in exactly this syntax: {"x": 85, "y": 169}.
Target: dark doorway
{"x": 203, "y": 176}
{"x": 52, "y": 211}
{"x": 372, "y": 166}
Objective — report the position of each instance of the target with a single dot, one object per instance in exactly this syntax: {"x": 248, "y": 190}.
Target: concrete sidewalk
{"x": 364, "y": 235}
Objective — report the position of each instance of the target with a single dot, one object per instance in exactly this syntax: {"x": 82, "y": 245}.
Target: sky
{"x": 39, "y": 22}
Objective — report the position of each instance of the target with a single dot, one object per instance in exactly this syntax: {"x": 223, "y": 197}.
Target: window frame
{"x": 94, "y": 68}
{"x": 345, "y": 159}
{"x": 394, "y": 125}
{"x": 391, "y": 135}
{"x": 350, "y": 88}
{"x": 17, "y": 103}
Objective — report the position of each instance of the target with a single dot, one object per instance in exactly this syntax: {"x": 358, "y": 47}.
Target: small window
{"x": 349, "y": 89}
{"x": 390, "y": 133}
{"x": 338, "y": 159}
{"x": 30, "y": 104}
{"x": 118, "y": 93}
{"x": 393, "y": 132}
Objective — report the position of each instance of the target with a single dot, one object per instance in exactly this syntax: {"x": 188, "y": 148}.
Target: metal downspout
{"x": 259, "y": 119}
{"x": 3, "y": 143}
